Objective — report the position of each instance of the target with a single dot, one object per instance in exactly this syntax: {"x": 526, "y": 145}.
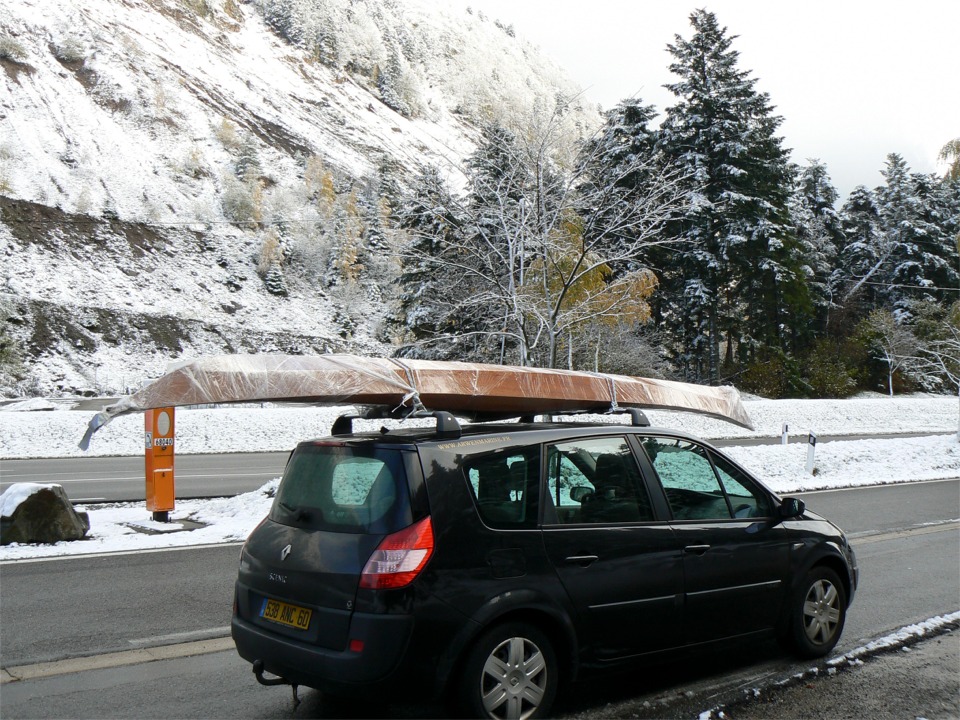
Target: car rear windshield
{"x": 344, "y": 489}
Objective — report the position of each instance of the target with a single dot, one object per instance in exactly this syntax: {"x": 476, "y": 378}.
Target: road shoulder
{"x": 919, "y": 679}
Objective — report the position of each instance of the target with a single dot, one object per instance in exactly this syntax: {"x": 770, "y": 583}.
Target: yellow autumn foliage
{"x": 588, "y": 288}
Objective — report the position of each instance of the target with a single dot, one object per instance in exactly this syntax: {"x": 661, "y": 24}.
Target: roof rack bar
{"x": 343, "y": 425}
{"x": 449, "y": 427}
{"x": 638, "y": 418}
{"x": 447, "y": 424}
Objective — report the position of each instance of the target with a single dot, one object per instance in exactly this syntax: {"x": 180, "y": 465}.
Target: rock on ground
{"x": 44, "y": 515}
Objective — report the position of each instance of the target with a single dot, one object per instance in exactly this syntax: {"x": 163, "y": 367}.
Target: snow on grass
{"x": 120, "y": 527}
{"x": 852, "y": 463}
{"x": 862, "y": 415}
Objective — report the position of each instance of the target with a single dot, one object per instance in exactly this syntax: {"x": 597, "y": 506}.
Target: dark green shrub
{"x": 774, "y": 374}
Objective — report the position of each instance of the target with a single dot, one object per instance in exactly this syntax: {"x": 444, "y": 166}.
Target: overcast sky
{"x": 854, "y": 80}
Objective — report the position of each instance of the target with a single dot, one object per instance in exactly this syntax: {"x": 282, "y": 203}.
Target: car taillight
{"x": 399, "y": 557}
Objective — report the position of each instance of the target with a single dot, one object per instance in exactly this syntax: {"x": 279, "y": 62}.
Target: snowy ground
{"x": 55, "y": 433}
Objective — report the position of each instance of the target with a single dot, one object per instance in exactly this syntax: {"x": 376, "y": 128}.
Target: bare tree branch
{"x": 531, "y": 258}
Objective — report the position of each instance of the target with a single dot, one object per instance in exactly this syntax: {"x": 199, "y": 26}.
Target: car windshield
{"x": 344, "y": 489}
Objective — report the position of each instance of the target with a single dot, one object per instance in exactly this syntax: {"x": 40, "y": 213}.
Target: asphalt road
{"x": 118, "y": 479}
{"x": 909, "y": 554}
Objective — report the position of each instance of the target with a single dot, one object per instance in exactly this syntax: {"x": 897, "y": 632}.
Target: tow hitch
{"x": 258, "y": 672}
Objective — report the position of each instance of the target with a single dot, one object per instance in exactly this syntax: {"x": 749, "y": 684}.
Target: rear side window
{"x": 344, "y": 489}
{"x": 506, "y": 486}
{"x": 596, "y": 481}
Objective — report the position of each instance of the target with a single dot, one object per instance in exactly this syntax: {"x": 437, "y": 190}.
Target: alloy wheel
{"x": 514, "y": 679}
{"x": 821, "y": 612}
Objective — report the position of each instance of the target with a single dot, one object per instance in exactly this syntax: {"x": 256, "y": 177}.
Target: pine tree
{"x": 373, "y": 211}
{"x": 864, "y": 252}
{"x": 499, "y": 179}
{"x": 247, "y": 166}
{"x": 820, "y": 236}
{"x": 275, "y": 281}
{"x": 390, "y": 82}
{"x": 920, "y": 225}
{"x": 740, "y": 280}
{"x": 901, "y": 242}
{"x": 939, "y": 219}
{"x": 622, "y": 159}
{"x": 433, "y": 225}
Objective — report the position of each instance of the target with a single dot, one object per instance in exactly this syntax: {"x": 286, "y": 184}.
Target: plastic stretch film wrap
{"x": 401, "y": 387}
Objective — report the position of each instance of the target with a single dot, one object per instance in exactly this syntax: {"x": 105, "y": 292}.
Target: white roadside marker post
{"x": 811, "y": 451}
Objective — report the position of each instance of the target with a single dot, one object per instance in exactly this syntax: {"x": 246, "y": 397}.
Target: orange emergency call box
{"x": 158, "y": 445}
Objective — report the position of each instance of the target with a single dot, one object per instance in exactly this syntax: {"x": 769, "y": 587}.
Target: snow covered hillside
{"x": 178, "y": 179}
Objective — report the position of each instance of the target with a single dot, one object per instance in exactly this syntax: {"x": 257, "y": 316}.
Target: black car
{"x": 494, "y": 563}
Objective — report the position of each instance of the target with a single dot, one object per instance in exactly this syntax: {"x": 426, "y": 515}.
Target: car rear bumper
{"x": 378, "y": 664}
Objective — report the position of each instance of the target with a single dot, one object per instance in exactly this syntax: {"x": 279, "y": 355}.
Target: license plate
{"x": 285, "y": 614}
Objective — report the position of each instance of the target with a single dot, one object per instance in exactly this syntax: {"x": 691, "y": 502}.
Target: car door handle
{"x": 696, "y": 549}
{"x": 583, "y": 560}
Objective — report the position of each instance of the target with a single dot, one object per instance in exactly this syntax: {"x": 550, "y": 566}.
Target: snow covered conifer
{"x": 274, "y": 280}
{"x": 919, "y": 216}
{"x": 248, "y": 166}
{"x": 426, "y": 317}
{"x": 621, "y": 160}
{"x": 865, "y": 249}
{"x": 738, "y": 282}
{"x": 390, "y": 83}
{"x": 820, "y": 236}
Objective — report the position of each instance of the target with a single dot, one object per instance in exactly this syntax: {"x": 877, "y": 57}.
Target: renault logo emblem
{"x": 286, "y": 551}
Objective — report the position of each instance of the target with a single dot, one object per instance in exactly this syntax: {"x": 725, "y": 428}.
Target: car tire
{"x": 817, "y": 613}
{"x": 510, "y": 672}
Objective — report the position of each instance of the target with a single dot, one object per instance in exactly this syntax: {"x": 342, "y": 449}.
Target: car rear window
{"x": 344, "y": 489}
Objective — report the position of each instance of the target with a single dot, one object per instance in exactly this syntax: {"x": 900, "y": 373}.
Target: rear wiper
{"x": 300, "y": 515}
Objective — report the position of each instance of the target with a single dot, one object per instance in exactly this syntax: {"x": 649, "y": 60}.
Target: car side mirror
{"x": 578, "y": 493}
{"x": 792, "y": 507}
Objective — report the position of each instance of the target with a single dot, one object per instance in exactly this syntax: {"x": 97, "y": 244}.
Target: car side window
{"x": 506, "y": 486}
{"x": 746, "y": 499}
{"x": 596, "y": 480}
{"x": 696, "y": 488}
